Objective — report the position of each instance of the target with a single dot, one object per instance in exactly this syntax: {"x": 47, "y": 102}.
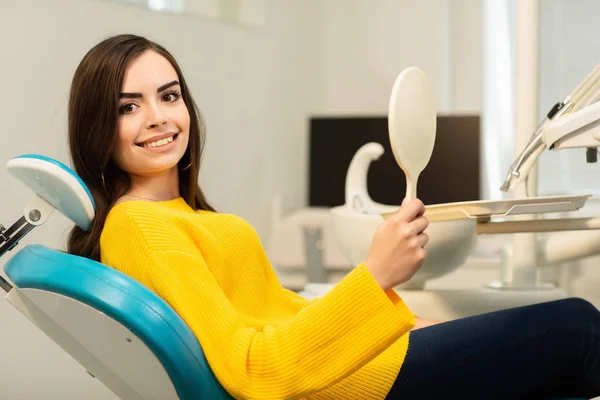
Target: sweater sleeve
{"x": 326, "y": 341}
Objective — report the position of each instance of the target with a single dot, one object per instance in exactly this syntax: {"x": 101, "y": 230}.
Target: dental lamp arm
{"x": 587, "y": 92}
{"x": 579, "y": 129}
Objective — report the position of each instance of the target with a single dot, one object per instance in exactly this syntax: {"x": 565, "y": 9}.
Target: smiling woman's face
{"x": 153, "y": 122}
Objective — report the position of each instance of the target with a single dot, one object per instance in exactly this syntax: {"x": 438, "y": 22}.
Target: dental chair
{"x": 118, "y": 330}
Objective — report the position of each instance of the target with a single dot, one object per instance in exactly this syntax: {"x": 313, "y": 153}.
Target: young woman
{"x": 136, "y": 139}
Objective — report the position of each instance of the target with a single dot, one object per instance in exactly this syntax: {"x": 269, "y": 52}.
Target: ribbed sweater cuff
{"x": 367, "y": 298}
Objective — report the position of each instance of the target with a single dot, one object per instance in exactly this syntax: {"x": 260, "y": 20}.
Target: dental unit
{"x": 571, "y": 123}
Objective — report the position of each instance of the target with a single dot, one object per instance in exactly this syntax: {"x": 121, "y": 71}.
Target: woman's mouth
{"x": 161, "y": 144}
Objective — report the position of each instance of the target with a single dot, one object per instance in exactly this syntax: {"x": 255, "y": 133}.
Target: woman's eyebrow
{"x": 136, "y": 95}
{"x": 166, "y": 86}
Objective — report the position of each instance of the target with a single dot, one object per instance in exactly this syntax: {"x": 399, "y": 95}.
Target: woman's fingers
{"x": 421, "y": 240}
{"x": 418, "y": 225}
{"x": 410, "y": 210}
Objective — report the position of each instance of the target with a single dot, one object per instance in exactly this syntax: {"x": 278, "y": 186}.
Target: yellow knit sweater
{"x": 261, "y": 340}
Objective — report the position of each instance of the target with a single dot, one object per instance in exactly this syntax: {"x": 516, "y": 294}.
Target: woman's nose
{"x": 156, "y": 118}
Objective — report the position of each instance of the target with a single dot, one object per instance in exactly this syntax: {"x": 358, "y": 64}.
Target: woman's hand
{"x": 398, "y": 251}
{"x": 423, "y": 323}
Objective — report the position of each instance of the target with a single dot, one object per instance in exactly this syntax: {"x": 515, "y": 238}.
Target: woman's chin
{"x": 147, "y": 169}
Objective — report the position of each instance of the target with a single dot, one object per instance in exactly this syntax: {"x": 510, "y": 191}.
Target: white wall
{"x": 466, "y": 57}
{"x": 365, "y": 44}
{"x": 256, "y": 88}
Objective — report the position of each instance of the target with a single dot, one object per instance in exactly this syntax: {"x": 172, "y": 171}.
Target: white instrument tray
{"x": 486, "y": 209}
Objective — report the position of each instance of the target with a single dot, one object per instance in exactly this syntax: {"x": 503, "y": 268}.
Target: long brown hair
{"x": 93, "y": 113}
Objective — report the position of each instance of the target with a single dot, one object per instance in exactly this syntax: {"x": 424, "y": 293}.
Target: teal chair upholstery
{"x": 129, "y": 303}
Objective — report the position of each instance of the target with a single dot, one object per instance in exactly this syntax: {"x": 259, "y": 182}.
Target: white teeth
{"x": 159, "y": 143}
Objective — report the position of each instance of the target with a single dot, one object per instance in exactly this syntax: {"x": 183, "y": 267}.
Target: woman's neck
{"x": 160, "y": 186}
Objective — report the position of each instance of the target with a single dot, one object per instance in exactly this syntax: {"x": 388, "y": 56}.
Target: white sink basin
{"x": 450, "y": 242}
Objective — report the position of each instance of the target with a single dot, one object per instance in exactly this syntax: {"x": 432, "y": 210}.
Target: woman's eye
{"x": 127, "y": 108}
{"x": 171, "y": 97}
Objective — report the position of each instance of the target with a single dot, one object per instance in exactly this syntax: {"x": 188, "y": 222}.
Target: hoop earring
{"x": 189, "y": 165}
{"x": 102, "y": 177}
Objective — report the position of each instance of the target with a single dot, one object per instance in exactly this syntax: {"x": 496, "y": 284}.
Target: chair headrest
{"x": 57, "y": 184}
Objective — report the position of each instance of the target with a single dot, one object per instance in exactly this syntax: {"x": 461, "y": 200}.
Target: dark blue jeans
{"x": 542, "y": 351}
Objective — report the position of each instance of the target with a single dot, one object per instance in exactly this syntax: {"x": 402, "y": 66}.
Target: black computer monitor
{"x": 453, "y": 173}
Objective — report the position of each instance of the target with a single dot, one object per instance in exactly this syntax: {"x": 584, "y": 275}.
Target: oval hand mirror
{"x": 412, "y": 124}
